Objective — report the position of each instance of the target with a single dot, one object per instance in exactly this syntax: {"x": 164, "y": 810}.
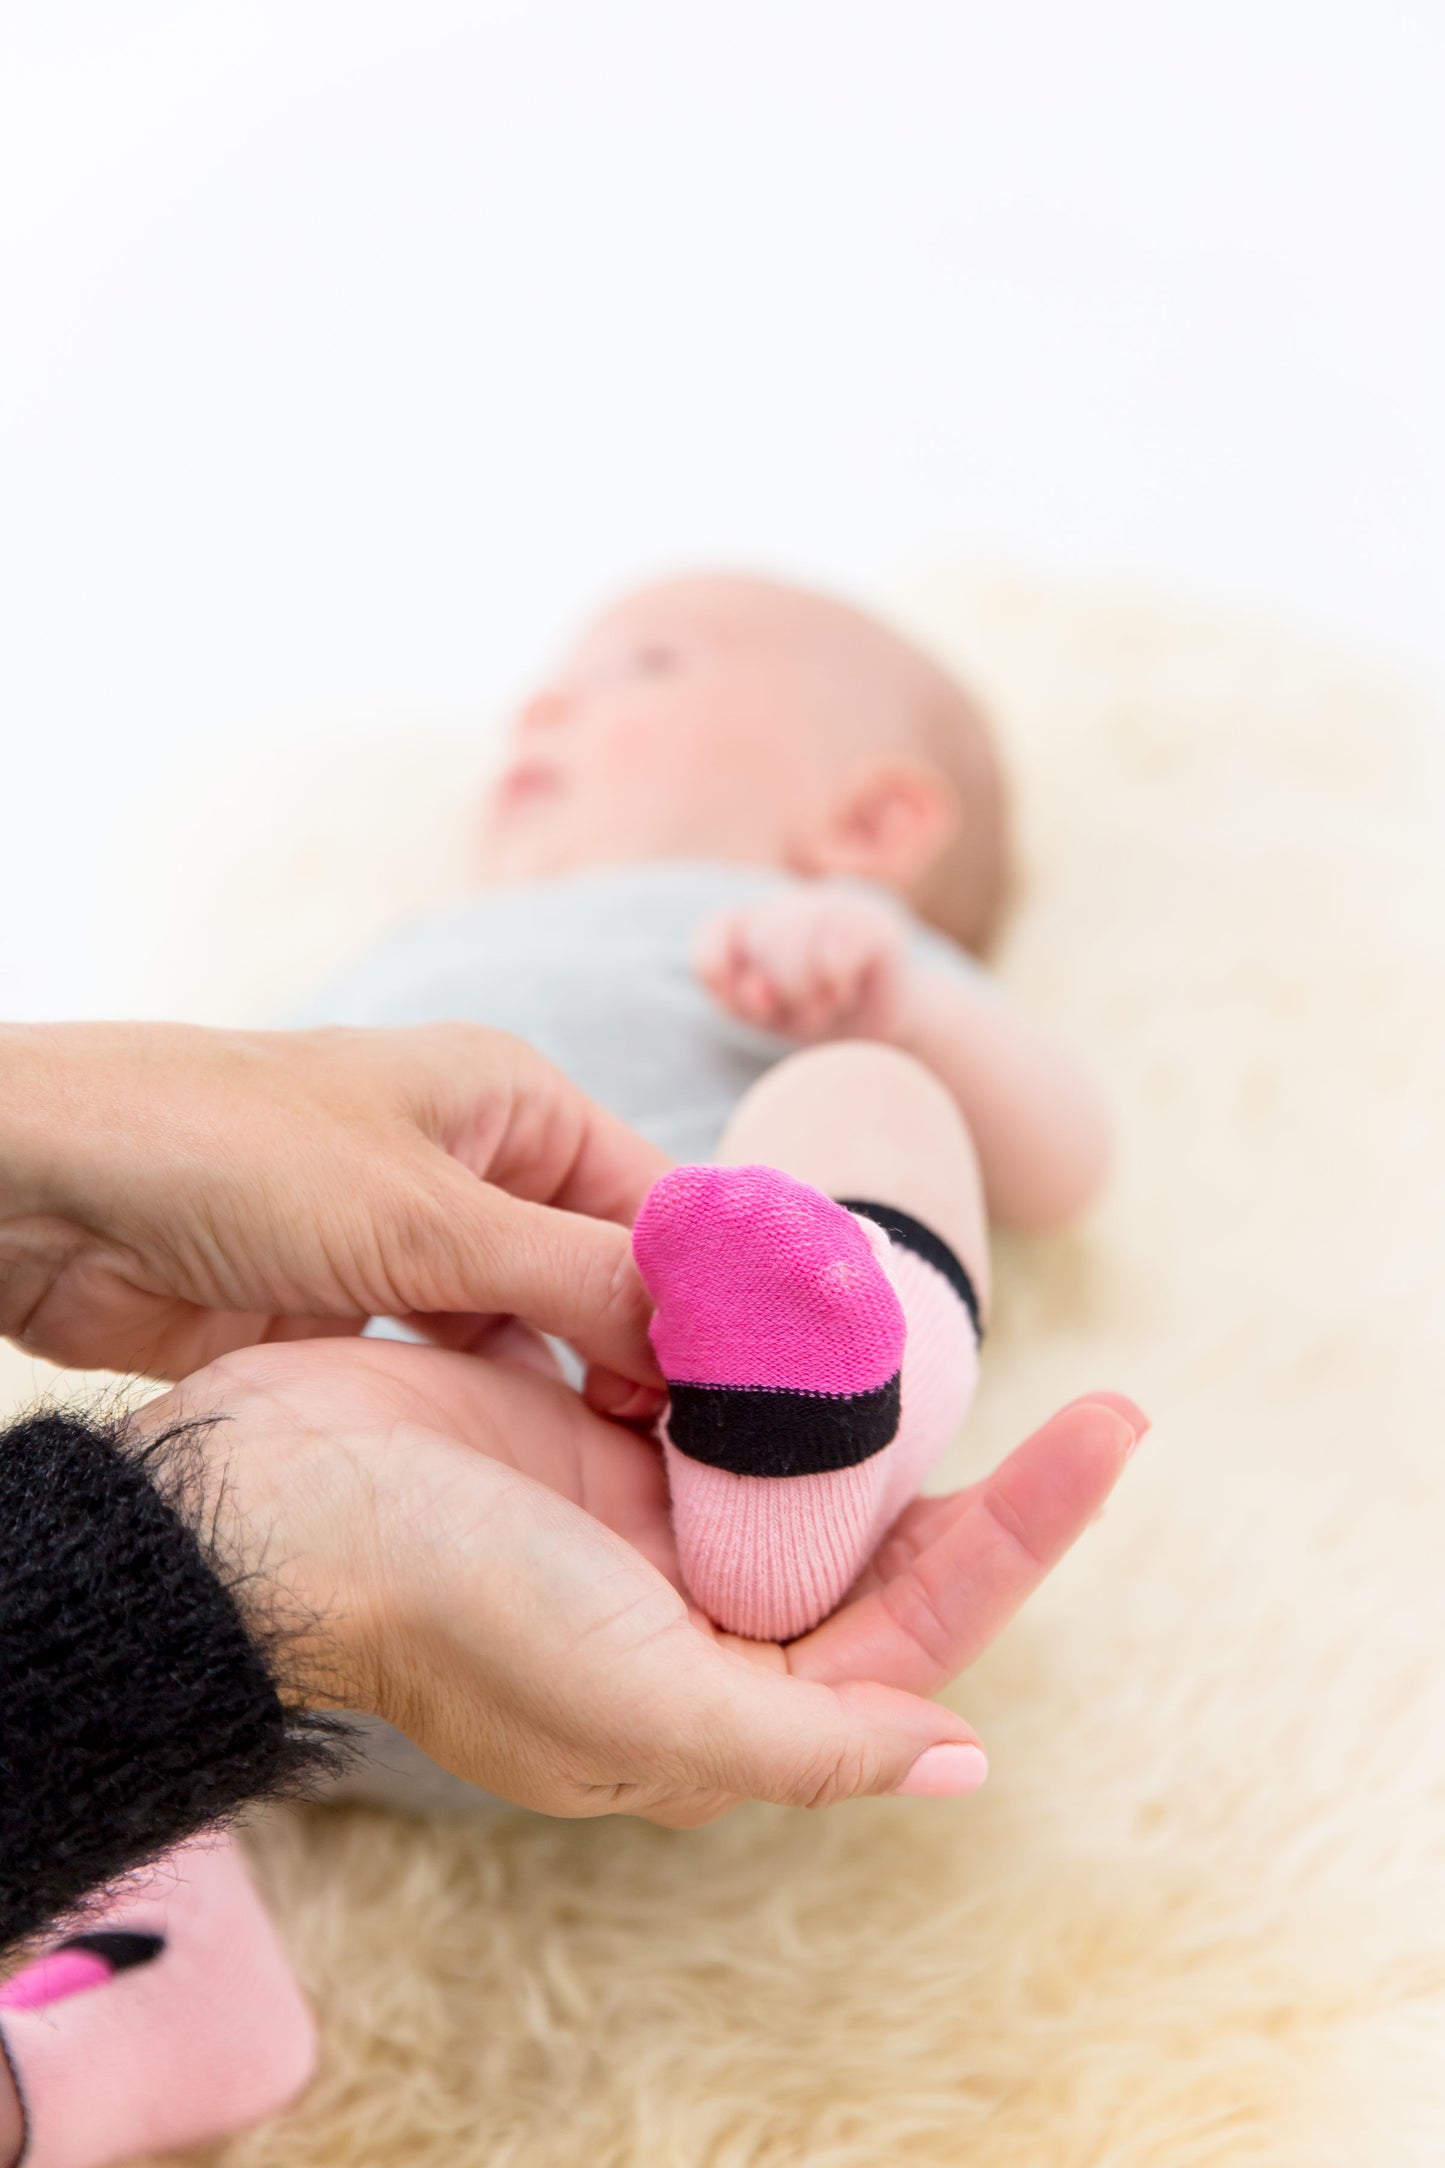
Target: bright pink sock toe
{"x": 816, "y": 1371}
{"x": 762, "y": 1282}
{"x": 782, "y": 1340}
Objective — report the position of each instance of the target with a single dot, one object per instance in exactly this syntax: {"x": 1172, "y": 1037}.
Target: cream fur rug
{"x": 1198, "y": 1915}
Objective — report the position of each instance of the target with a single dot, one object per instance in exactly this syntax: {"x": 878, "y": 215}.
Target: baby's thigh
{"x": 861, "y": 1120}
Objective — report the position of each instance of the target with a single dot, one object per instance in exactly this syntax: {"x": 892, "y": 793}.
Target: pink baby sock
{"x": 819, "y": 1358}
{"x": 171, "y": 2018}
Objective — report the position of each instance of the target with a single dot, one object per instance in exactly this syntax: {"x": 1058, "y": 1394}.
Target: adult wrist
{"x": 139, "y": 1676}
{"x": 290, "y": 1532}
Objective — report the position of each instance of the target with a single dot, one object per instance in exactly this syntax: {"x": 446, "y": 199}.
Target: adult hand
{"x": 493, "y": 1570}
{"x": 167, "y": 1193}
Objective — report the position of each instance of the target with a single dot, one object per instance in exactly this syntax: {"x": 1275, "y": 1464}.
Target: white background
{"x": 349, "y": 349}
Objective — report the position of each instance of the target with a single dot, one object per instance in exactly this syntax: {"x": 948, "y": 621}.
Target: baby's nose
{"x": 544, "y": 710}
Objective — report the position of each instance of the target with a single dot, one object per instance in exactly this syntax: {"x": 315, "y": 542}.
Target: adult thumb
{"x": 563, "y": 1272}
{"x": 780, "y": 1739}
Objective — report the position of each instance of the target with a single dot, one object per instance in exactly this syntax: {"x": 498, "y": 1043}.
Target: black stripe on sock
{"x": 767, "y": 1430}
{"x": 118, "y": 1948}
{"x": 911, "y": 1234}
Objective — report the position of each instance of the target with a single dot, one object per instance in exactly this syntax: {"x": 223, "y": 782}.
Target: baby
{"x": 741, "y": 820}
{"x": 745, "y": 849}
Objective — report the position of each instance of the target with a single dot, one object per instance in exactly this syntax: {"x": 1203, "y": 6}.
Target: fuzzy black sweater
{"x": 138, "y": 1689}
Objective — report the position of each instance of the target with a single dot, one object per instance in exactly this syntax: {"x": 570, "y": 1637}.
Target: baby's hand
{"x": 813, "y": 961}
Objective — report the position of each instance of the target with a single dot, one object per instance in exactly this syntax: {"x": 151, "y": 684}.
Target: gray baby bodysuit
{"x": 593, "y": 969}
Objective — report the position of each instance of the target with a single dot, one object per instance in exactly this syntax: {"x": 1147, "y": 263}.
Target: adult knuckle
{"x": 606, "y": 1282}
{"x": 917, "y": 1616}
{"x": 832, "y": 1774}
{"x": 421, "y": 1246}
{"x": 1014, "y": 1529}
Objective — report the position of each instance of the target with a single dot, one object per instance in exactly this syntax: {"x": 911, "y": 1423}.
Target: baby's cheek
{"x": 638, "y": 749}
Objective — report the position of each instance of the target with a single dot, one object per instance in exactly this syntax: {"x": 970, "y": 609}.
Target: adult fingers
{"x": 474, "y": 1249}
{"x": 737, "y": 1731}
{"x": 957, "y": 1588}
{"x": 573, "y": 1678}
{"x": 712, "y": 949}
{"x": 132, "y": 1330}
{"x": 618, "y": 1700}
{"x": 496, "y": 1339}
{"x": 613, "y": 1169}
{"x": 510, "y": 1115}
{"x": 619, "y": 1398}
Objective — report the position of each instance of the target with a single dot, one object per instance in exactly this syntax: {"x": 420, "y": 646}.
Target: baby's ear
{"x": 890, "y": 823}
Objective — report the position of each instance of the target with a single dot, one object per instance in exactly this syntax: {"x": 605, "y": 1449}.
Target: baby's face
{"x": 701, "y": 718}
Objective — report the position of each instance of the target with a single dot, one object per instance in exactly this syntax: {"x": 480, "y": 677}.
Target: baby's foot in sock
{"x": 169, "y": 2020}
{"x": 783, "y": 1341}
{"x": 940, "y": 1363}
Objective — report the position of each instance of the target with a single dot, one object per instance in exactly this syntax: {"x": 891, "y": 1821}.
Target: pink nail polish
{"x": 945, "y": 1772}
{"x": 1128, "y": 1411}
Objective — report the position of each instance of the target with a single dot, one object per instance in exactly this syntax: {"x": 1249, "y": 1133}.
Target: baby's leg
{"x": 168, "y": 2019}
{"x": 821, "y": 1358}
{"x": 875, "y": 1129}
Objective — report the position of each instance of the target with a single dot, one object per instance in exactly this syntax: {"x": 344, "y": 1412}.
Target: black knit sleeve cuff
{"x": 138, "y": 1693}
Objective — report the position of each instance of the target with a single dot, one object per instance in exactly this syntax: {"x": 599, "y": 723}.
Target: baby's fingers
{"x": 725, "y": 960}
{"x": 754, "y": 997}
{"x": 846, "y": 951}
{"x": 780, "y": 942}
{"x": 715, "y": 948}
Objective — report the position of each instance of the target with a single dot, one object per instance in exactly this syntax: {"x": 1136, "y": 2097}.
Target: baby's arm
{"x": 817, "y": 960}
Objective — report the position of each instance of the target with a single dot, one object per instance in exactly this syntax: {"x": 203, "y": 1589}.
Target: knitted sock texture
{"x": 816, "y": 1370}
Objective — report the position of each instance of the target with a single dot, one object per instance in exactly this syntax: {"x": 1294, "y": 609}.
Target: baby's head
{"x": 737, "y": 718}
